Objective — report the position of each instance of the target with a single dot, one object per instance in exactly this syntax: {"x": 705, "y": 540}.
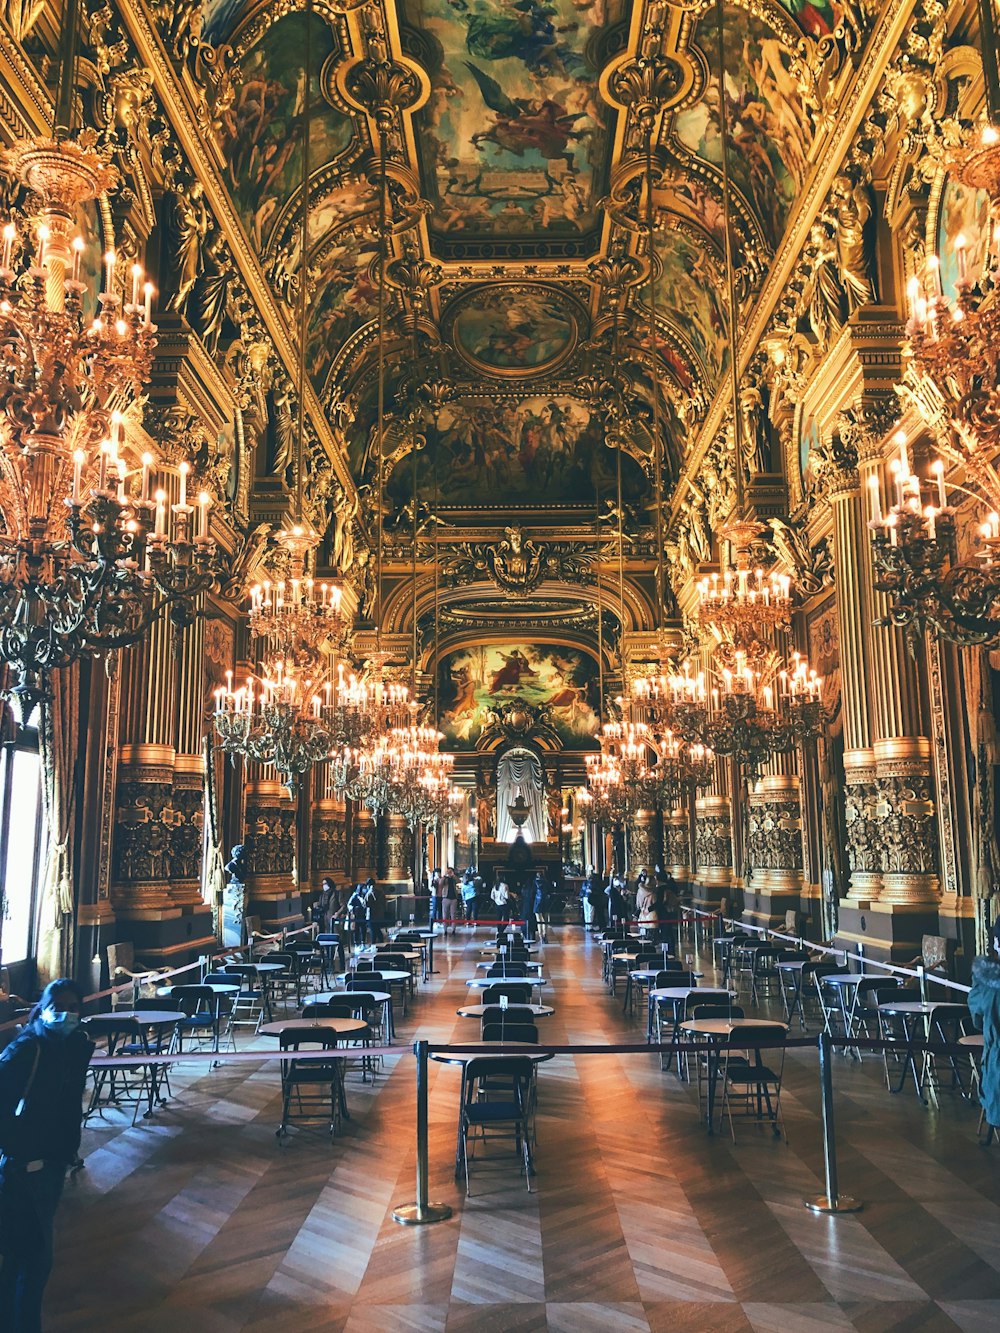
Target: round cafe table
{"x": 532, "y": 967}
{"x": 143, "y": 1019}
{"x": 914, "y": 1017}
{"x": 495, "y": 1050}
{"x": 719, "y": 1031}
{"x": 343, "y": 1027}
{"x": 477, "y": 1010}
{"x": 482, "y": 982}
{"x": 379, "y": 996}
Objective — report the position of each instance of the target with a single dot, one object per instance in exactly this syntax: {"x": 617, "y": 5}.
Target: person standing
{"x": 617, "y": 907}
{"x": 984, "y": 1005}
{"x": 376, "y": 910}
{"x": 469, "y": 894}
{"x": 542, "y": 906}
{"x": 330, "y": 911}
{"x": 500, "y": 894}
{"x": 598, "y": 900}
{"x": 43, "y": 1073}
{"x": 357, "y": 910}
{"x": 449, "y": 900}
{"x": 528, "y": 909}
{"x": 435, "y": 895}
{"x": 646, "y": 906}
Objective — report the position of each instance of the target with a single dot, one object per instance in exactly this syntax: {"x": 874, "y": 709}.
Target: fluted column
{"x": 363, "y": 845}
{"x": 852, "y": 590}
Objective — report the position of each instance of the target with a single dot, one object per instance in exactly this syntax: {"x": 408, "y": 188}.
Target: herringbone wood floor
{"x": 199, "y": 1222}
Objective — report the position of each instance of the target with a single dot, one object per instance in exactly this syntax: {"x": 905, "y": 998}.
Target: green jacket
{"x": 984, "y": 1004}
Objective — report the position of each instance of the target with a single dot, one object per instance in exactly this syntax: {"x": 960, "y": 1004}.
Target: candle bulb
{"x": 876, "y": 499}
{"x": 79, "y": 458}
{"x": 204, "y": 501}
{"x": 77, "y": 256}
{"x": 937, "y": 467}
{"x": 9, "y": 237}
{"x": 160, "y": 525}
{"x": 931, "y": 527}
{"x": 933, "y": 270}
{"x": 148, "y": 293}
{"x": 899, "y": 440}
{"x": 183, "y": 471}
{"x": 147, "y": 463}
{"x": 122, "y": 473}
{"x": 913, "y": 296}
{"x": 43, "y": 238}
{"x": 109, "y": 272}
{"x": 103, "y": 476}
{"x": 136, "y": 277}
{"x": 960, "y": 255}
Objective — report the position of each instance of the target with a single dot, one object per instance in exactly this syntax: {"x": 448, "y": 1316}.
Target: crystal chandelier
{"x": 751, "y": 712}
{"x": 296, "y": 619}
{"x": 747, "y": 603}
{"x": 286, "y": 722}
{"x": 88, "y": 557}
{"x": 682, "y": 765}
{"x": 620, "y": 780}
{"x": 952, "y": 381}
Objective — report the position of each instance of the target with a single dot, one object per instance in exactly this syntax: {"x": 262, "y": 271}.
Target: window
{"x": 21, "y": 849}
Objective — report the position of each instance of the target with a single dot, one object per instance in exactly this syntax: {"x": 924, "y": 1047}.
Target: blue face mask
{"x": 60, "y": 1024}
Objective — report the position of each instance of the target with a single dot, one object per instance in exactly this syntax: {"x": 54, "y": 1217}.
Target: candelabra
{"x": 619, "y": 778}
{"x": 952, "y": 380}
{"x": 682, "y": 765}
{"x": 86, "y": 564}
{"x": 296, "y": 618}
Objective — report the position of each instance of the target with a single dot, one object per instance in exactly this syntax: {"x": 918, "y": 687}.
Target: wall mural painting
{"x": 541, "y": 451}
{"x": 770, "y": 124}
{"x": 515, "y": 127}
{"x": 686, "y": 286}
{"x": 818, "y": 18}
{"x": 809, "y": 442}
{"x": 962, "y": 212}
{"x": 474, "y": 681}
{"x": 262, "y": 133}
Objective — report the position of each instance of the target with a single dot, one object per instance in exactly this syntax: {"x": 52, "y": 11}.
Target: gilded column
{"x": 269, "y": 850}
{"x": 641, "y": 842}
{"x": 852, "y": 591}
{"x": 363, "y": 845}
{"x": 774, "y": 845}
{"x": 329, "y": 831}
{"x": 398, "y": 852}
{"x": 677, "y": 840}
{"x": 713, "y": 842}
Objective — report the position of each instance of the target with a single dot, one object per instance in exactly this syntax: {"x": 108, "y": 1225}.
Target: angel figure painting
{"x": 263, "y": 131}
{"x": 515, "y": 125}
{"x": 475, "y": 681}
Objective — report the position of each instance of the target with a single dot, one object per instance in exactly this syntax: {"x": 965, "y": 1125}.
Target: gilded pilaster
{"x": 329, "y": 831}
{"x": 677, "y": 840}
{"x": 269, "y": 850}
{"x": 774, "y": 845}
{"x": 363, "y": 844}
{"x": 642, "y": 842}
{"x": 713, "y": 873}
{"x": 398, "y": 851}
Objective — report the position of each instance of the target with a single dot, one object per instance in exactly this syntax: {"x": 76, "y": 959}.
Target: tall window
{"x": 21, "y": 847}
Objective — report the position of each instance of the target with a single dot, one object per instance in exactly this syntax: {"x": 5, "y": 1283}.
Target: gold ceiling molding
{"x": 831, "y": 149}
{"x": 179, "y": 108}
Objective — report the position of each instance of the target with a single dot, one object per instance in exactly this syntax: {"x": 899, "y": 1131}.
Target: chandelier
{"x": 89, "y": 557}
{"x": 296, "y": 618}
{"x": 287, "y": 722}
{"x": 746, "y": 604}
{"x": 750, "y": 713}
{"x": 682, "y": 765}
{"x": 952, "y": 380}
{"x": 620, "y": 778}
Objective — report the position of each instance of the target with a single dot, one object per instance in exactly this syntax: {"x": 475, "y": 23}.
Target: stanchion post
{"x": 832, "y": 1201}
{"x": 421, "y": 1212}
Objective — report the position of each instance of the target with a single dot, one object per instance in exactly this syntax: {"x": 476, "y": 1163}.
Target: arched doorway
{"x": 520, "y": 773}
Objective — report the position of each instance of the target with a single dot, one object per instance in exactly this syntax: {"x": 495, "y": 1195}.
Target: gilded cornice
{"x": 852, "y": 108}
{"x": 180, "y": 111}
{"x": 25, "y": 106}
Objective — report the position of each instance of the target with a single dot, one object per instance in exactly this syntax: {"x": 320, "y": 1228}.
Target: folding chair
{"x": 750, "y": 1081}
{"x": 515, "y": 994}
{"x": 199, "y": 1016}
{"x": 317, "y": 1086}
{"x": 485, "y": 1118}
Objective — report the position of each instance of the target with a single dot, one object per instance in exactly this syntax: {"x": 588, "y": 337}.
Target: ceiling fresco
{"x": 513, "y": 140}
{"x": 536, "y": 347}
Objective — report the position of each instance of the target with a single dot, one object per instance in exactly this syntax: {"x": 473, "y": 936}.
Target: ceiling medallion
{"x": 514, "y": 330}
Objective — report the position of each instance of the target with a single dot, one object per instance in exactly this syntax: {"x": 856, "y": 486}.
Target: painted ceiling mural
{"x": 514, "y": 138}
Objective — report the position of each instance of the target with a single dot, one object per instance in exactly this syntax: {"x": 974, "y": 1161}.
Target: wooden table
{"x": 719, "y": 1032}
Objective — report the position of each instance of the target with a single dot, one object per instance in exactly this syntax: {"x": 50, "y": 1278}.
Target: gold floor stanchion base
{"x": 842, "y": 1204}
{"x": 412, "y": 1215}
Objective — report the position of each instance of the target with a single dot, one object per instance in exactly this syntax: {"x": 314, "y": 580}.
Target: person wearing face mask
{"x": 43, "y": 1073}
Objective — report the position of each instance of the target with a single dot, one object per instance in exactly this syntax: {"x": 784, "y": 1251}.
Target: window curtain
{"x": 59, "y": 743}
{"x": 214, "y": 881}
{"x": 520, "y": 771}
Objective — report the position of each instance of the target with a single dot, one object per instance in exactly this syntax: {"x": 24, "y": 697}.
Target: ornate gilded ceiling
{"x": 534, "y": 342}
{"x": 517, "y": 181}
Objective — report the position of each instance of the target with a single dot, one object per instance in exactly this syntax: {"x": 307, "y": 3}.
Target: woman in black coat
{"x": 43, "y": 1073}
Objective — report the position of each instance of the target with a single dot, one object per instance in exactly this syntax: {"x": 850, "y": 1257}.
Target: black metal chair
{"x": 200, "y": 1016}
{"x": 515, "y": 994}
{"x": 510, "y": 1030}
{"x": 751, "y": 1082}
{"x": 317, "y": 1086}
{"x": 487, "y": 1117}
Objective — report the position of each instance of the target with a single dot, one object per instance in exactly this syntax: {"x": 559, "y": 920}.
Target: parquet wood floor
{"x": 200, "y": 1222}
